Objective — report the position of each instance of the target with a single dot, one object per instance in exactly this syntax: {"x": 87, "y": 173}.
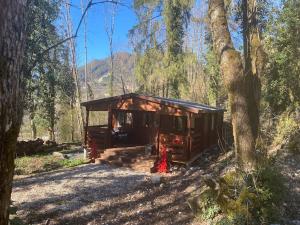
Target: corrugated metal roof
{"x": 176, "y": 103}
{"x": 188, "y": 104}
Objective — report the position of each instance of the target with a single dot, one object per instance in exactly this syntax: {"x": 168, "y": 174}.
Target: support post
{"x": 189, "y": 137}
{"x": 86, "y": 126}
{"x": 108, "y": 139}
{"x": 157, "y": 117}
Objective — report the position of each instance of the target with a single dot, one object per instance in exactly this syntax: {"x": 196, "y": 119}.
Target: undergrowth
{"x": 240, "y": 198}
{"x": 43, "y": 163}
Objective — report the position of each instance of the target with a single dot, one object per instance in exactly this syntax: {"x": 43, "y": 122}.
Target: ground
{"x": 101, "y": 194}
{"x": 289, "y": 164}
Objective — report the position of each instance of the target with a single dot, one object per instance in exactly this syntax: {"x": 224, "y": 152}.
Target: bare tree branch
{"x": 40, "y": 55}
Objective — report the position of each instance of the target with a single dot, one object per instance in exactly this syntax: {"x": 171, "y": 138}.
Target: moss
{"x": 244, "y": 198}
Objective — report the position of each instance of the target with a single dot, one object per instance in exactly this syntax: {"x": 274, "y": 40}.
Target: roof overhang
{"x": 104, "y": 103}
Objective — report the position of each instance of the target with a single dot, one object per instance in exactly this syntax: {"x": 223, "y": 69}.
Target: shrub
{"x": 43, "y": 163}
{"x": 72, "y": 162}
{"x": 243, "y": 198}
{"x": 287, "y": 126}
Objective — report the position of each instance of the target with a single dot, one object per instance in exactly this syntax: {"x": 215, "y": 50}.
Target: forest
{"x": 242, "y": 56}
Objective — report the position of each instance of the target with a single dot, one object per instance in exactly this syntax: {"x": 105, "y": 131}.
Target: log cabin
{"x": 184, "y": 128}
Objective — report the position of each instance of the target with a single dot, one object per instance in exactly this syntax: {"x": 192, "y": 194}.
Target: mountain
{"x": 99, "y": 71}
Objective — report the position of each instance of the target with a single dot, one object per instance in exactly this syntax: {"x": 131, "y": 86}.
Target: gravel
{"x": 101, "y": 194}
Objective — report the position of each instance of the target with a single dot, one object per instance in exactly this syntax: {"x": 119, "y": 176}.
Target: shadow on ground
{"x": 99, "y": 194}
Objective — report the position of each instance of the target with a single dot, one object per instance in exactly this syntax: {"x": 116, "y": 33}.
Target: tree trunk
{"x": 51, "y": 109}
{"x": 85, "y": 50}
{"x": 72, "y": 120}
{"x": 255, "y": 58}
{"x": 12, "y": 41}
{"x": 33, "y": 127}
{"x": 78, "y": 108}
{"x": 237, "y": 84}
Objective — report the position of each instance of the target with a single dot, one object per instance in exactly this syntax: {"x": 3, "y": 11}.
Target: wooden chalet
{"x": 184, "y": 127}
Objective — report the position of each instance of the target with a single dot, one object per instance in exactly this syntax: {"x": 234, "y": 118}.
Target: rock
{"x": 155, "y": 179}
{"x": 190, "y": 189}
{"x": 59, "y": 155}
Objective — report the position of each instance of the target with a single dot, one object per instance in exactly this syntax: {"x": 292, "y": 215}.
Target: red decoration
{"x": 93, "y": 146}
{"x": 162, "y": 164}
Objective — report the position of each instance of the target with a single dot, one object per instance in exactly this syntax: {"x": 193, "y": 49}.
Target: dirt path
{"x": 290, "y": 167}
{"x": 100, "y": 194}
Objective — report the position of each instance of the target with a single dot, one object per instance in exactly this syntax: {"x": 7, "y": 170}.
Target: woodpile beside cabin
{"x": 183, "y": 129}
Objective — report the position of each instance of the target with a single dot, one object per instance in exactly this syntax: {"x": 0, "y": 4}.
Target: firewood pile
{"x": 35, "y": 146}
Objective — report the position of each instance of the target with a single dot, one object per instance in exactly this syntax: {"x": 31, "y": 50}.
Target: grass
{"x": 43, "y": 163}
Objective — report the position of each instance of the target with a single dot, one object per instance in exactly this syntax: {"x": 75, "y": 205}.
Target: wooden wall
{"x": 201, "y": 130}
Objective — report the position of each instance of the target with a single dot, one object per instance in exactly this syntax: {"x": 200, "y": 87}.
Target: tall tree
{"x": 174, "y": 22}
{"x": 12, "y": 45}
{"x": 151, "y": 32}
{"x": 282, "y": 85}
{"x": 83, "y": 6}
{"x": 71, "y": 43}
{"x": 238, "y": 80}
{"x": 110, "y": 29}
{"x": 41, "y": 33}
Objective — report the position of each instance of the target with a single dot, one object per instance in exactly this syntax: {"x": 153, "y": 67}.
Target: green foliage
{"x": 160, "y": 70}
{"x": 43, "y": 163}
{"x": 216, "y": 91}
{"x": 48, "y": 77}
{"x": 176, "y": 13}
{"x": 282, "y": 85}
{"x": 243, "y": 198}
{"x": 287, "y": 126}
{"x": 67, "y": 163}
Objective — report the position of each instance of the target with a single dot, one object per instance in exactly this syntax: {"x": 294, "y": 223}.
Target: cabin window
{"x": 147, "y": 119}
{"x": 124, "y": 119}
{"x": 173, "y": 123}
{"x": 180, "y": 123}
{"x": 98, "y": 118}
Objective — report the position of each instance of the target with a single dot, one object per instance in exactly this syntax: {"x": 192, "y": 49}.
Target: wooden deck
{"x": 131, "y": 157}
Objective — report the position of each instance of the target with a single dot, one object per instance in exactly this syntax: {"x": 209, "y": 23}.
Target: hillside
{"x": 99, "y": 70}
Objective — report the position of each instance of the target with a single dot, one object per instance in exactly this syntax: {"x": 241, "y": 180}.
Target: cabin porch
{"x": 182, "y": 130}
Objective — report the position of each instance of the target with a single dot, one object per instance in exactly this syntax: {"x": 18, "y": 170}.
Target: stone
{"x": 190, "y": 189}
{"x": 59, "y": 155}
{"x": 155, "y": 179}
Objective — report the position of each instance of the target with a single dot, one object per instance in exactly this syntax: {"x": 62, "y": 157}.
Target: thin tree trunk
{"x": 237, "y": 84}
{"x": 33, "y": 127}
{"x": 85, "y": 50}
{"x": 110, "y": 28}
{"x": 78, "y": 108}
{"x": 72, "y": 120}
{"x": 12, "y": 42}
{"x": 51, "y": 109}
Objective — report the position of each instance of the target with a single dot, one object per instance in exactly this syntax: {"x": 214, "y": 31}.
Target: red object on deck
{"x": 93, "y": 146}
{"x": 162, "y": 165}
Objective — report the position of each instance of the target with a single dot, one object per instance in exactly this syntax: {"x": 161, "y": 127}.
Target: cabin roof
{"x": 176, "y": 103}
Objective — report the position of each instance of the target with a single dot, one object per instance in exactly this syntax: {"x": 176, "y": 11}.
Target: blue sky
{"x": 97, "y": 41}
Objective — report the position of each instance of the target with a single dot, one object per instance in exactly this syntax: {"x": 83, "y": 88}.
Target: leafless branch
{"x": 89, "y": 5}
